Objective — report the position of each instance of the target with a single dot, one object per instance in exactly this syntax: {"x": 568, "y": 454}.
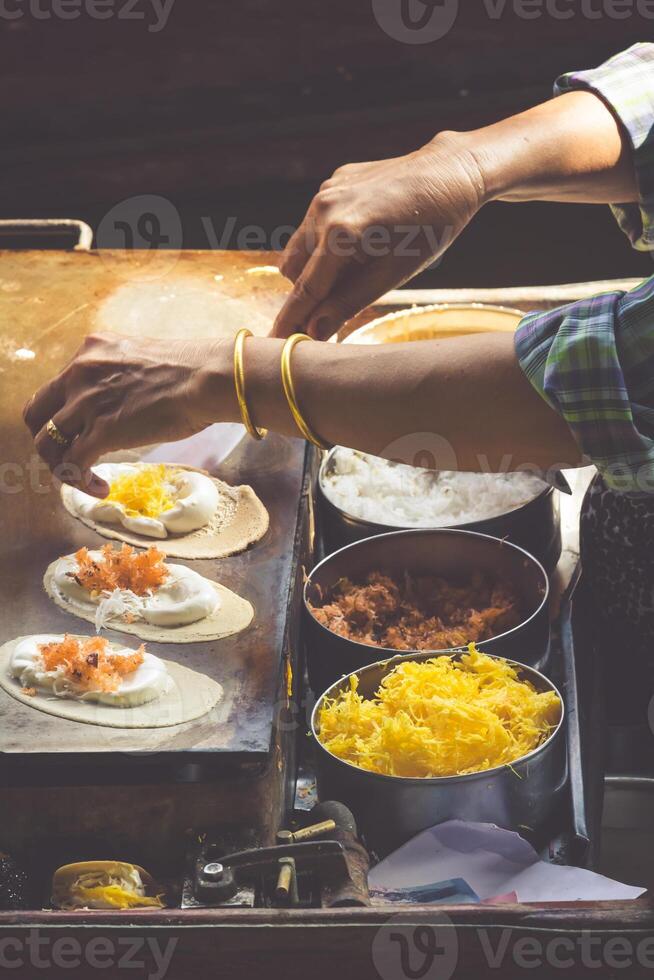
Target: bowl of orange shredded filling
{"x": 415, "y": 741}
{"x": 418, "y": 612}
{"x": 423, "y": 591}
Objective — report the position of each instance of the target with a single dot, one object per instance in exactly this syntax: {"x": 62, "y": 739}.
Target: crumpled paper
{"x": 492, "y": 862}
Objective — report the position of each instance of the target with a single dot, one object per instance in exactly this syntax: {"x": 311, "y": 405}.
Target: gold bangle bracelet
{"x": 289, "y": 390}
{"x": 239, "y": 384}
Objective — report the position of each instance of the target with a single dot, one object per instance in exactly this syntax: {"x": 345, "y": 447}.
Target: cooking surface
{"x": 48, "y": 302}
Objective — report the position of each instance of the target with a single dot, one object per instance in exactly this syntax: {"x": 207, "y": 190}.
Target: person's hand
{"x": 371, "y": 227}
{"x": 119, "y": 392}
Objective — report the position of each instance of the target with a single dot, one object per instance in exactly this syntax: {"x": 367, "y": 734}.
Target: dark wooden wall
{"x": 239, "y": 108}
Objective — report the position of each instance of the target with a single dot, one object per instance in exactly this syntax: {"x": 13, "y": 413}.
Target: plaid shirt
{"x": 593, "y": 360}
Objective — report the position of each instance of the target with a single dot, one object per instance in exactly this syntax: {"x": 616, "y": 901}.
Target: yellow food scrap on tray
{"x": 115, "y": 897}
{"x": 440, "y": 717}
{"x": 145, "y": 493}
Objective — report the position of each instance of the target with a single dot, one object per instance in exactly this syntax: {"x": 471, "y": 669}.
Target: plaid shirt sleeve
{"x": 626, "y": 84}
{"x": 593, "y": 360}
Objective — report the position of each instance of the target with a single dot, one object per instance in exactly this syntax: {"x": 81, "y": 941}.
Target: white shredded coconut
{"x": 393, "y": 494}
{"x": 117, "y": 604}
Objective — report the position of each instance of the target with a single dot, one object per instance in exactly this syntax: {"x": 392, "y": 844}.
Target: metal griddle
{"x": 48, "y": 302}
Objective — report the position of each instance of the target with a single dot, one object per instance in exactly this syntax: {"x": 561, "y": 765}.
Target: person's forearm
{"x": 458, "y": 403}
{"x": 462, "y": 403}
{"x": 568, "y": 149}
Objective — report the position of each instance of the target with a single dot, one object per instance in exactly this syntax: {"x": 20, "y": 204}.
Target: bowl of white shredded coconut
{"x": 363, "y": 495}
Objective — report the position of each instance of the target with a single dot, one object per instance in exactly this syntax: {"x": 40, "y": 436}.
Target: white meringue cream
{"x": 147, "y": 683}
{"x": 196, "y": 501}
{"x": 185, "y": 596}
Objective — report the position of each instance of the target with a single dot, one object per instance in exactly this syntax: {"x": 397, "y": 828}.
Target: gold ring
{"x": 56, "y": 434}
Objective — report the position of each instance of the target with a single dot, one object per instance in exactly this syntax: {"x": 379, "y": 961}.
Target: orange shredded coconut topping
{"x": 121, "y": 568}
{"x": 89, "y": 664}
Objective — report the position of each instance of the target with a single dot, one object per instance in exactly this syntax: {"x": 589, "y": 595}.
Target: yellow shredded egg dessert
{"x": 440, "y": 717}
{"x": 144, "y": 493}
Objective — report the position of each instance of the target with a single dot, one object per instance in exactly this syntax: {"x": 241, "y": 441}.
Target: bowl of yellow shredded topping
{"x": 422, "y": 739}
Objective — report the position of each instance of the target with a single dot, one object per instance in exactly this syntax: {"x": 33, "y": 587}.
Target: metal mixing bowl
{"x": 453, "y": 555}
{"x": 438, "y": 320}
{"x": 390, "y": 810}
{"x": 534, "y": 526}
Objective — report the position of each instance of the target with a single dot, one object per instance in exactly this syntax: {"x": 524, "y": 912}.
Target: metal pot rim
{"x": 388, "y": 652}
{"x": 417, "y": 308}
{"x": 363, "y": 522}
{"x": 436, "y": 780}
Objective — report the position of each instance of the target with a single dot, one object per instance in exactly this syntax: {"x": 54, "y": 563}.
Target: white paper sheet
{"x": 205, "y": 450}
{"x": 493, "y": 862}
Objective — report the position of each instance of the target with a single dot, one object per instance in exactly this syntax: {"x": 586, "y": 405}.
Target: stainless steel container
{"x": 535, "y": 526}
{"x": 438, "y": 320}
{"x": 391, "y": 809}
{"x": 451, "y": 554}
{"x": 627, "y": 838}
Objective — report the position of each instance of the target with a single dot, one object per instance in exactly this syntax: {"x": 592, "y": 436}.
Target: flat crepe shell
{"x": 233, "y": 615}
{"x": 241, "y": 526}
{"x": 192, "y": 696}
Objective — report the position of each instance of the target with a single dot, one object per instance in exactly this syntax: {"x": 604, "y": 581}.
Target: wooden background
{"x": 235, "y": 111}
